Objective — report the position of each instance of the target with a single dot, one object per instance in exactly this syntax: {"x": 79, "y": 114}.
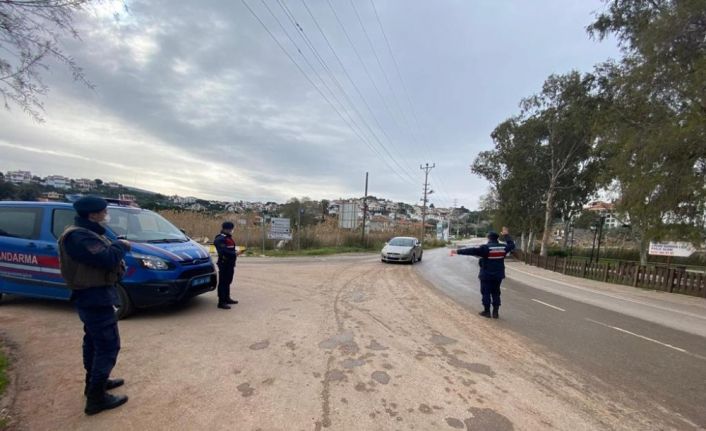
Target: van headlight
{"x": 151, "y": 262}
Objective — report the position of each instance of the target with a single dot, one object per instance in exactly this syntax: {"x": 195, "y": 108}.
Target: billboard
{"x": 348, "y": 217}
{"x": 442, "y": 231}
{"x": 676, "y": 249}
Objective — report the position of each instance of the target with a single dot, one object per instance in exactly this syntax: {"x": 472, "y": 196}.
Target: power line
{"x": 415, "y": 124}
{"x": 365, "y": 68}
{"x": 377, "y": 58}
{"x": 345, "y": 71}
{"x": 335, "y": 80}
{"x": 427, "y": 192}
{"x": 279, "y": 44}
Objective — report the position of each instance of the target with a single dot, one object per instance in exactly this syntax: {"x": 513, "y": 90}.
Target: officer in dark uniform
{"x": 227, "y": 255}
{"x": 492, "y": 268}
{"x": 91, "y": 264}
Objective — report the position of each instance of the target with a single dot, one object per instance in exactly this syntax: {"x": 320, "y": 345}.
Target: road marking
{"x": 548, "y": 305}
{"x": 596, "y": 292}
{"x": 638, "y": 335}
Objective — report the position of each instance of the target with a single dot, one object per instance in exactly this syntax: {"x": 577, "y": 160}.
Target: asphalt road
{"x": 657, "y": 356}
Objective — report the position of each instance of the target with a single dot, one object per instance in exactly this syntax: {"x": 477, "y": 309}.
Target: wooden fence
{"x": 673, "y": 279}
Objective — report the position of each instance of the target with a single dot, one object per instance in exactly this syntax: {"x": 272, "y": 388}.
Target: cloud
{"x": 195, "y": 98}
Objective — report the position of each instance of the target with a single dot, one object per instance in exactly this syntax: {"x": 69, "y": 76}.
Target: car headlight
{"x": 151, "y": 262}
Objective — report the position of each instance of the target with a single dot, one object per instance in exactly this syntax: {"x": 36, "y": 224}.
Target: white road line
{"x": 548, "y": 305}
{"x": 638, "y": 335}
{"x": 596, "y": 292}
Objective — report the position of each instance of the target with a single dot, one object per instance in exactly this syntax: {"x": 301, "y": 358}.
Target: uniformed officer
{"x": 492, "y": 268}
{"x": 91, "y": 264}
{"x": 227, "y": 255}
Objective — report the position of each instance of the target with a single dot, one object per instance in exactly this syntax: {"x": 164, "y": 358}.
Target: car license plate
{"x": 200, "y": 281}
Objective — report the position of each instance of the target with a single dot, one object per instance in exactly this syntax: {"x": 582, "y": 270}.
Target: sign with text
{"x": 280, "y": 229}
{"x": 675, "y": 249}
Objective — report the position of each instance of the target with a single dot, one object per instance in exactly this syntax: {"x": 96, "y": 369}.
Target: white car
{"x": 402, "y": 249}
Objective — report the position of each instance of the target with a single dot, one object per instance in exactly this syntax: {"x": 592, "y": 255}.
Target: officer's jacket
{"x": 90, "y": 263}
{"x": 225, "y": 246}
{"x": 492, "y": 258}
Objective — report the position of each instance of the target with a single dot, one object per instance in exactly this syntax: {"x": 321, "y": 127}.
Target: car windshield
{"x": 402, "y": 242}
{"x": 143, "y": 226}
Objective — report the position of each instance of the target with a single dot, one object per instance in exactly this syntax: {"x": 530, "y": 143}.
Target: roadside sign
{"x": 280, "y": 229}
{"x": 348, "y": 217}
{"x": 675, "y": 249}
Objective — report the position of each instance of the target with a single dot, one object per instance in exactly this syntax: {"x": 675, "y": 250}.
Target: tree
{"x": 98, "y": 182}
{"x": 324, "y": 208}
{"x": 29, "y": 35}
{"x": 28, "y": 192}
{"x": 566, "y": 108}
{"x": 653, "y": 123}
{"x": 7, "y": 190}
{"x": 310, "y": 215}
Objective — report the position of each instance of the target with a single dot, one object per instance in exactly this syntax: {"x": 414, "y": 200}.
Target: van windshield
{"x": 143, "y": 226}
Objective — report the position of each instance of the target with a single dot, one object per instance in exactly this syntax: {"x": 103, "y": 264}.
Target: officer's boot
{"x": 110, "y": 384}
{"x": 485, "y": 313}
{"x": 496, "y": 314}
{"x": 98, "y": 399}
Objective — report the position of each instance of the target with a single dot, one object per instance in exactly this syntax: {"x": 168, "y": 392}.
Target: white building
{"x": 85, "y": 184}
{"x": 183, "y": 201}
{"x": 19, "y": 177}
{"x": 612, "y": 220}
{"x": 57, "y": 181}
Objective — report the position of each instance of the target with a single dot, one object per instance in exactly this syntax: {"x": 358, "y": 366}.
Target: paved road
{"x": 633, "y": 344}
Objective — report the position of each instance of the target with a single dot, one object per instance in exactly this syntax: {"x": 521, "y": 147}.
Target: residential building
{"x": 612, "y": 220}
{"x": 58, "y": 182}
{"x": 84, "y": 184}
{"x": 19, "y": 177}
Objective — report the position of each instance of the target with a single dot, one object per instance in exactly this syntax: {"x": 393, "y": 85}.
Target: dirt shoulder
{"x": 332, "y": 343}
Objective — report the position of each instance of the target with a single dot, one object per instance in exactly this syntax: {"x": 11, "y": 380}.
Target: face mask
{"x": 105, "y": 221}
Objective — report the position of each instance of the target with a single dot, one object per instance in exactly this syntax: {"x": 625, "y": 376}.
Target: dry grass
{"x": 327, "y": 234}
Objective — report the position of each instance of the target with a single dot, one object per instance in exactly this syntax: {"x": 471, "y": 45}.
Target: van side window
{"x": 20, "y": 222}
{"x": 61, "y": 219}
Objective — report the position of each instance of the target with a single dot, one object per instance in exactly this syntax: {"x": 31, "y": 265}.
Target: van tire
{"x": 126, "y": 307}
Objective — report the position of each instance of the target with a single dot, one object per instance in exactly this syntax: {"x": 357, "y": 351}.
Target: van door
{"x": 29, "y": 263}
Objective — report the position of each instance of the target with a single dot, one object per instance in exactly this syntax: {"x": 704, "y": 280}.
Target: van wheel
{"x": 125, "y": 307}
{"x": 420, "y": 258}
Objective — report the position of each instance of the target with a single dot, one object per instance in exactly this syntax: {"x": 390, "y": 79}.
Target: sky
{"x": 265, "y": 100}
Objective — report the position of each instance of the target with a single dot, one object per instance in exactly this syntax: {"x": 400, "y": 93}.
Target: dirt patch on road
{"x": 340, "y": 344}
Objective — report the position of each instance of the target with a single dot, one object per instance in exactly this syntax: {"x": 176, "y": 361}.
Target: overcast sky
{"x": 197, "y": 98}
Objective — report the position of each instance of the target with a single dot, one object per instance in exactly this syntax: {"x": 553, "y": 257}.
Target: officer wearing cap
{"x": 492, "y": 268}
{"x": 91, "y": 264}
{"x": 227, "y": 255}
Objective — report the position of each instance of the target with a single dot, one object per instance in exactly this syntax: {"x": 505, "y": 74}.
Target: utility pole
{"x": 426, "y": 168}
{"x": 299, "y": 226}
{"x": 365, "y": 208}
{"x": 263, "y": 232}
{"x": 600, "y": 234}
{"x": 451, "y": 216}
